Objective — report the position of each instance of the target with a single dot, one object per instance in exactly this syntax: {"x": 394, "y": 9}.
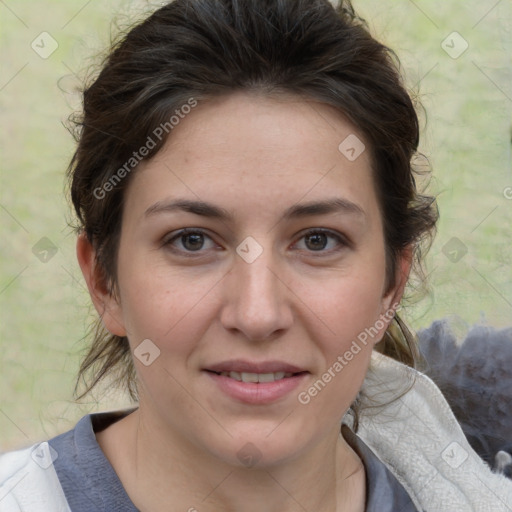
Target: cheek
{"x": 165, "y": 305}
{"x": 349, "y": 315}
{"x": 347, "y": 306}
{"x": 173, "y": 312}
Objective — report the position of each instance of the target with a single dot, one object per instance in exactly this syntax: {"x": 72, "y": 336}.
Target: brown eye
{"x": 192, "y": 241}
{"x": 187, "y": 240}
{"x": 317, "y": 240}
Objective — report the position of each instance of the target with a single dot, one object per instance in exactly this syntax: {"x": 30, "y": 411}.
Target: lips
{"x": 264, "y": 367}
{"x": 256, "y": 383}
{"x": 256, "y": 393}
{"x": 256, "y": 377}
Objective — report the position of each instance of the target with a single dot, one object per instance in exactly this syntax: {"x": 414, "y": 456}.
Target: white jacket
{"x": 416, "y": 436}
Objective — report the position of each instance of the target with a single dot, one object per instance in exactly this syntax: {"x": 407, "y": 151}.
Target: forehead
{"x": 259, "y": 154}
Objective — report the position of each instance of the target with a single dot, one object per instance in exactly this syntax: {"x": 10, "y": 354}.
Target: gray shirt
{"x": 90, "y": 483}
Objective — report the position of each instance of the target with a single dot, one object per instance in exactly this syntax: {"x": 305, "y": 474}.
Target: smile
{"x": 256, "y": 388}
{"x": 256, "y": 377}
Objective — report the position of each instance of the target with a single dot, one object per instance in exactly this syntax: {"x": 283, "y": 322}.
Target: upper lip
{"x": 242, "y": 366}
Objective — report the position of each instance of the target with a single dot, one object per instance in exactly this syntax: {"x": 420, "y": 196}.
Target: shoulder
{"x": 28, "y": 480}
{"x": 67, "y": 472}
{"x": 408, "y": 423}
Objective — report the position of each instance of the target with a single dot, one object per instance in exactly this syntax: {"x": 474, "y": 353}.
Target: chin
{"x": 265, "y": 447}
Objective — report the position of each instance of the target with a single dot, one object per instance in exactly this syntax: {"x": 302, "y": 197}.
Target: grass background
{"x": 44, "y": 306}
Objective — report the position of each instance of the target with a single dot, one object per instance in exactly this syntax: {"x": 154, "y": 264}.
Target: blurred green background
{"x": 44, "y": 305}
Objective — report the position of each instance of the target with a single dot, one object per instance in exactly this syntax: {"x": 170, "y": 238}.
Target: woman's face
{"x": 260, "y": 285}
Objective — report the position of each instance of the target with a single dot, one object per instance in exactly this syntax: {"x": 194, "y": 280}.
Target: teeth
{"x": 270, "y": 377}
{"x": 256, "y": 377}
{"x": 251, "y": 377}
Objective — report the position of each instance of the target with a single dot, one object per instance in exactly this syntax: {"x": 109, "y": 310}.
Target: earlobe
{"x": 391, "y": 300}
{"x": 104, "y": 302}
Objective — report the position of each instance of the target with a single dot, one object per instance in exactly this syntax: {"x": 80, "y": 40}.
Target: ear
{"x": 394, "y": 295}
{"x": 105, "y": 303}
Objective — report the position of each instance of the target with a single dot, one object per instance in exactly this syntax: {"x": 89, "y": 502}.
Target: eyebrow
{"x": 205, "y": 209}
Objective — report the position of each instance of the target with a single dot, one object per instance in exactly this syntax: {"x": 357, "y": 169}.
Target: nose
{"x": 257, "y": 300}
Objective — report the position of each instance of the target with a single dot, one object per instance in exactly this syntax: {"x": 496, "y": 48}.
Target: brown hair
{"x": 205, "y": 48}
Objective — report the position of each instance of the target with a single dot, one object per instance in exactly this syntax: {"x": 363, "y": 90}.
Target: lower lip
{"x": 257, "y": 392}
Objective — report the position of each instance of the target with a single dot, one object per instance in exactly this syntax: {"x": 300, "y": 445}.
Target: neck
{"x": 158, "y": 467}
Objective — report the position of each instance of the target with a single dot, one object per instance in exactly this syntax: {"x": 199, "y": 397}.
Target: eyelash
{"x": 343, "y": 242}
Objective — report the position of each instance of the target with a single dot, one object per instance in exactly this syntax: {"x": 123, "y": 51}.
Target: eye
{"x": 316, "y": 240}
{"x": 191, "y": 240}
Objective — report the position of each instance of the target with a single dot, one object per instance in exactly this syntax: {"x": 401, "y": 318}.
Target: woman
{"x": 248, "y": 220}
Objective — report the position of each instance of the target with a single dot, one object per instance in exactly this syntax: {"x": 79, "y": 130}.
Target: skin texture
{"x": 254, "y": 156}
